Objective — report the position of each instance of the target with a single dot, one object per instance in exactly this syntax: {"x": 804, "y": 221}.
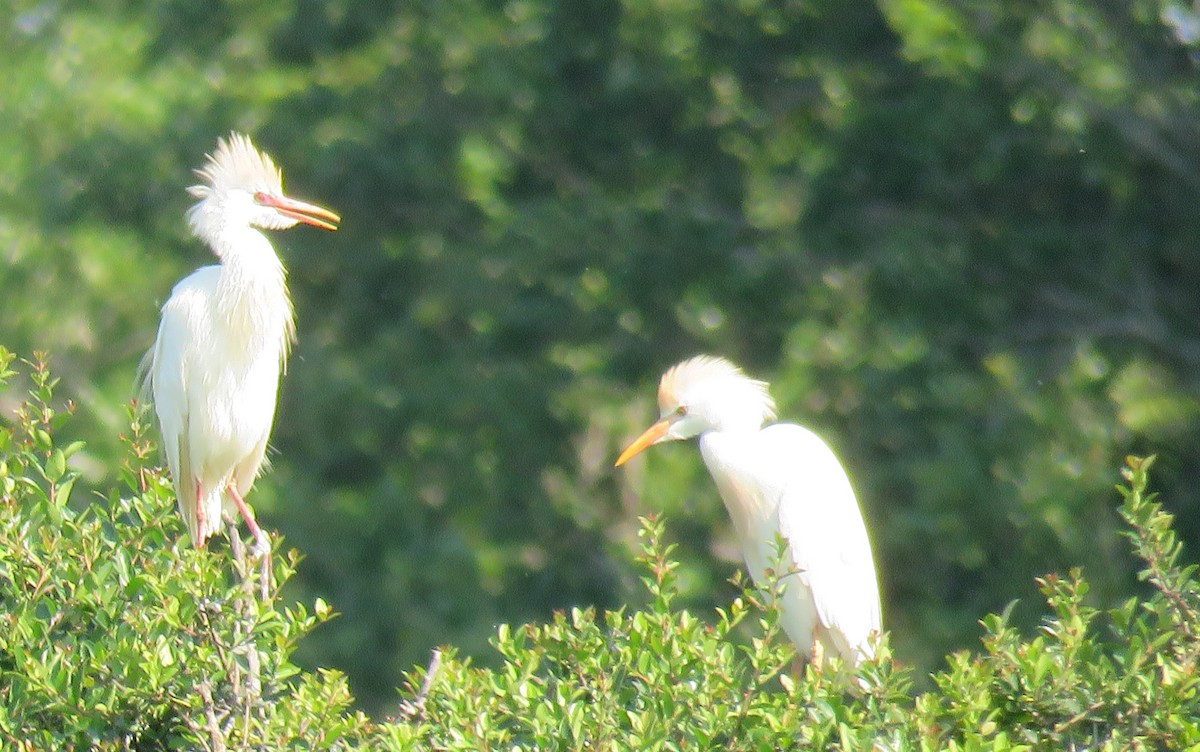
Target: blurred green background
{"x": 959, "y": 238}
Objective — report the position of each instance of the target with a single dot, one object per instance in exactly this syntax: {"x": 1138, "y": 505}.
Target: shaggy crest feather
{"x": 684, "y": 377}
{"x": 237, "y": 164}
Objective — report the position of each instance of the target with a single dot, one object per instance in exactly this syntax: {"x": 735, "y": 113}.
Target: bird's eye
{"x": 681, "y": 410}
{"x": 260, "y": 197}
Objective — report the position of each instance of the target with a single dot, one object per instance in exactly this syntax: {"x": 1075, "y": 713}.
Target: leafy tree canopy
{"x": 959, "y": 238}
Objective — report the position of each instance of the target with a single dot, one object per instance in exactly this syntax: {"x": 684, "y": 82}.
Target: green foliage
{"x": 1125, "y": 678}
{"x": 657, "y": 679}
{"x": 958, "y": 238}
{"x": 118, "y": 635}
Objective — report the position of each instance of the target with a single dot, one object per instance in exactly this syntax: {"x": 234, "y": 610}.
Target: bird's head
{"x": 243, "y": 187}
{"x": 704, "y": 393}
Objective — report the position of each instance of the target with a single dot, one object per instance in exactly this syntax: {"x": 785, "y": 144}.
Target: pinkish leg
{"x": 244, "y": 508}
{"x": 262, "y": 546}
{"x": 199, "y": 512}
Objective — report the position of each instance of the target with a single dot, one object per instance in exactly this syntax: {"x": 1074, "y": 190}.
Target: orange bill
{"x": 651, "y": 435}
{"x": 309, "y": 214}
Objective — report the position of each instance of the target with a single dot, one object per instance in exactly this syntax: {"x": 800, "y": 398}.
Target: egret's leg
{"x": 199, "y": 512}
{"x": 818, "y": 653}
{"x": 262, "y": 546}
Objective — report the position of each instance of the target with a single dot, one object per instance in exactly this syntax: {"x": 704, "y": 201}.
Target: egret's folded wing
{"x": 827, "y": 540}
{"x": 172, "y": 361}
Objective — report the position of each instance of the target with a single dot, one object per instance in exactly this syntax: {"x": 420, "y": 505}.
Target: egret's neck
{"x": 252, "y": 296}
{"x": 247, "y": 254}
{"x": 741, "y": 472}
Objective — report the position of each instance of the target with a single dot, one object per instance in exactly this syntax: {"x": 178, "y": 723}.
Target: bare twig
{"x": 210, "y": 713}
{"x": 247, "y": 690}
{"x": 414, "y": 709}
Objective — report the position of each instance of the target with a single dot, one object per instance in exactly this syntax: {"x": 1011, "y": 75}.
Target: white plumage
{"x": 780, "y": 480}
{"x": 223, "y": 340}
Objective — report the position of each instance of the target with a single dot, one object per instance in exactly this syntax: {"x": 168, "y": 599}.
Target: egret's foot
{"x": 262, "y": 551}
{"x": 262, "y": 545}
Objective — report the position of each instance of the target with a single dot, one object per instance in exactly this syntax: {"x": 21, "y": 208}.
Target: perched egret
{"x": 781, "y": 480}
{"x": 214, "y": 369}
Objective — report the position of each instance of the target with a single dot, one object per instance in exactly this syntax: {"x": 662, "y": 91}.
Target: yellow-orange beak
{"x": 309, "y": 214}
{"x": 651, "y": 435}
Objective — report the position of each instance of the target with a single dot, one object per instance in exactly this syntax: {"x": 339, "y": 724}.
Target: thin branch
{"x": 210, "y": 714}
{"x": 414, "y": 710}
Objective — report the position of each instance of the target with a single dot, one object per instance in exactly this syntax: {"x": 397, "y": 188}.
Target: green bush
{"x": 117, "y": 635}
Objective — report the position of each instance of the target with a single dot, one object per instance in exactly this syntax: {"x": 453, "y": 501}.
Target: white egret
{"x": 781, "y": 480}
{"x": 223, "y": 341}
